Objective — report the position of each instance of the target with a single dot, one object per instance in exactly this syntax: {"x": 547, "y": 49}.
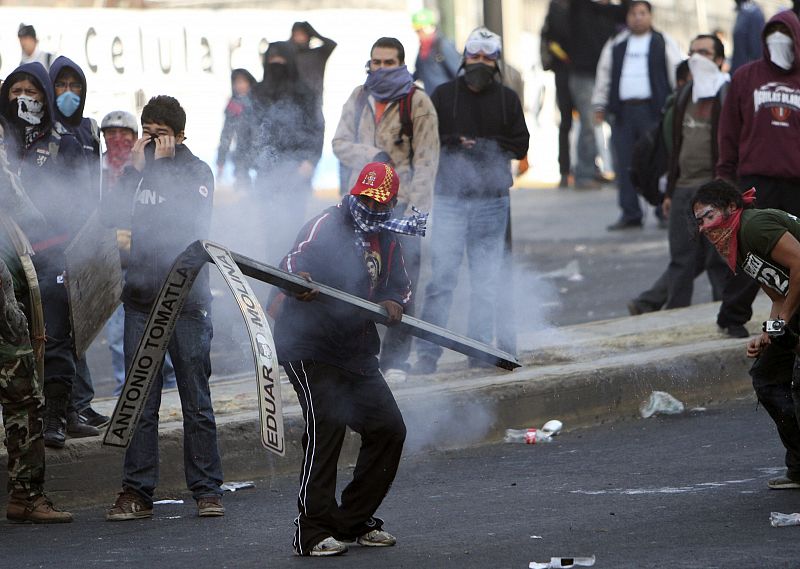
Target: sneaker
{"x": 783, "y": 483}
{"x": 210, "y": 507}
{"x": 424, "y": 366}
{"x": 129, "y": 506}
{"x": 36, "y": 510}
{"x": 377, "y": 538}
{"x": 737, "y": 331}
{"x": 77, "y": 429}
{"x": 328, "y": 546}
{"x": 395, "y": 375}
{"x": 92, "y": 418}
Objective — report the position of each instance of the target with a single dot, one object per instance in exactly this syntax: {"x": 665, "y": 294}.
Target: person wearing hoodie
{"x": 758, "y": 141}
{"x": 311, "y": 61}
{"x": 69, "y": 88}
{"x": 758, "y": 148}
{"x": 237, "y": 109}
{"x": 285, "y": 138}
{"x": 53, "y": 169}
{"x": 481, "y": 128}
{"x": 171, "y": 194}
{"x": 388, "y": 120}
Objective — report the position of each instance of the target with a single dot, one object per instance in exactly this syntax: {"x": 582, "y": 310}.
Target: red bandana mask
{"x": 119, "y": 153}
{"x": 722, "y": 234}
{"x": 425, "y": 45}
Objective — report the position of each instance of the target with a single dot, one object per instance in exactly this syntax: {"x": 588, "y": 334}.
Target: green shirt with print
{"x": 759, "y": 232}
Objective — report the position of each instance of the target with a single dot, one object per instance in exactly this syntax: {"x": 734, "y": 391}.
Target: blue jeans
{"x": 477, "y": 225}
{"x": 581, "y": 86}
{"x": 115, "y": 331}
{"x": 629, "y": 125}
{"x": 189, "y": 347}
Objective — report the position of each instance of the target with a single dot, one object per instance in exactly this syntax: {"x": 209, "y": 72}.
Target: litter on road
{"x": 777, "y": 519}
{"x": 563, "y": 563}
{"x": 660, "y": 403}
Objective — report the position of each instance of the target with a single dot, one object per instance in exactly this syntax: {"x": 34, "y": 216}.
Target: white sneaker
{"x": 395, "y": 375}
{"x": 328, "y": 546}
{"x": 377, "y": 538}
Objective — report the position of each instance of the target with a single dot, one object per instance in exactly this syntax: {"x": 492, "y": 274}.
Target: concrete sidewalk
{"x": 583, "y": 375}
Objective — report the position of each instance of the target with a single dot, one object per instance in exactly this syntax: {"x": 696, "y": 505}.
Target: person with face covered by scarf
{"x": 481, "y": 128}
{"x": 54, "y": 172}
{"x": 693, "y": 123}
{"x": 387, "y": 119}
{"x": 763, "y": 245}
{"x": 284, "y": 134}
{"x": 758, "y": 144}
{"x": 330, "y": 354}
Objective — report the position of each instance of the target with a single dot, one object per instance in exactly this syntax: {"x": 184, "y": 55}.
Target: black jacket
{"x": 311, "y": 62}
{"x": 591, "y": 24}
{"x": 285, "y": 123}
{"x": 171, "y": 201}
{"x": 495, "y": 119}
{"x": 334, "y": 333}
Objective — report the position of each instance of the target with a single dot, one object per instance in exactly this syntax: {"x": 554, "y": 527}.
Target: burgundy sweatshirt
{"x": 759, "y": 128}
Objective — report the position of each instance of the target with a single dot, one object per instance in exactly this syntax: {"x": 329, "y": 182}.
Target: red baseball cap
{"x": 378, "y": 181}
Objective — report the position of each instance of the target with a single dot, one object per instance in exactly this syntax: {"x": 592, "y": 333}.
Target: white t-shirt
{"x": 634, "y": 83}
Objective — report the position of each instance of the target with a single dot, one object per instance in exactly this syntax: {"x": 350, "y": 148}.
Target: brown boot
{"x": 37, "y": 510}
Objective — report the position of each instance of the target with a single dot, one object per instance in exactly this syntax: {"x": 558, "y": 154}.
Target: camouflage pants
{"x": 23, "y": 410}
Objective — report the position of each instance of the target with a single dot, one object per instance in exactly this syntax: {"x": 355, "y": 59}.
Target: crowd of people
{"x": 440, "y": 140}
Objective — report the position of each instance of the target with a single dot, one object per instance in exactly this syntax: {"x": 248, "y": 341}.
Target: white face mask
{"x": 706, "y": 77}
{"x": 781, "y": 50}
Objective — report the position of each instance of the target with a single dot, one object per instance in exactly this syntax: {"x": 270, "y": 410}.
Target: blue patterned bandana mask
{"x": 367, "y": 221}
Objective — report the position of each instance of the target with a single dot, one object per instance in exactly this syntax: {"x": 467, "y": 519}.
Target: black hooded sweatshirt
{"x": 286, "y": 124}
{"x": 83, "y": 128}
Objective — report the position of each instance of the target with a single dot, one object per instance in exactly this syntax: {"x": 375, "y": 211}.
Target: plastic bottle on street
{"x": 527, "y": 436}
{"x": 777, "y": 519}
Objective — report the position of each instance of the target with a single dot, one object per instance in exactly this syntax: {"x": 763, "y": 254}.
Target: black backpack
{"x": 649, "y": 162}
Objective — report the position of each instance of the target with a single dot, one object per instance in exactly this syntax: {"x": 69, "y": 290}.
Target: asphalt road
{"x": 676, "y": 492}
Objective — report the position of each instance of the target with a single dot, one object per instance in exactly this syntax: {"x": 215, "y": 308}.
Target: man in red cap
{"x": 330, "y": 354}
